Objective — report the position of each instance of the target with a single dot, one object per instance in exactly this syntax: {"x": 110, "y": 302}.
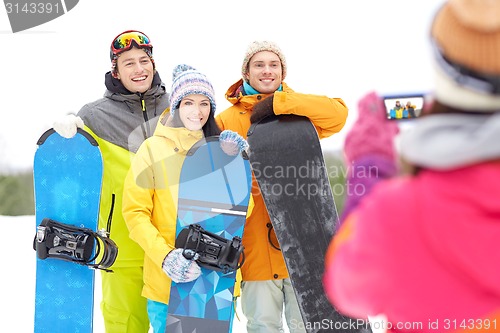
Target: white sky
{"x": 336, "y": 48}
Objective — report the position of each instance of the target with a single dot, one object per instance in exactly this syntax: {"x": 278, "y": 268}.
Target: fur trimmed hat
{"x": 258, "y": 46}
{"x": 186, "y": 80}
{"x": 466, "y": 39}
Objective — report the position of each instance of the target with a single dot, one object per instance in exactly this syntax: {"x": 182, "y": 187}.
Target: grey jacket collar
{"x": 115, "y": 86}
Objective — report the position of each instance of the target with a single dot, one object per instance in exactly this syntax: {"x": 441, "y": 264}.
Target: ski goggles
{"x": 123, "y": 41}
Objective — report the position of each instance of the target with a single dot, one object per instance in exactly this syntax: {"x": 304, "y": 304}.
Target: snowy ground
{"x": 17, "y": 287}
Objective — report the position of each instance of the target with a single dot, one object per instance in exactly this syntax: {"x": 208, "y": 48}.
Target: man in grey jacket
{"x": 128, "y": 113}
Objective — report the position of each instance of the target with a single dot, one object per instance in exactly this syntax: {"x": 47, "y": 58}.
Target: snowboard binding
{"x": 70, "y": 243}
{"x": 215, "y": 252}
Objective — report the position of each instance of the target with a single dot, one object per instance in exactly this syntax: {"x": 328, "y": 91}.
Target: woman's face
{"x": 194, "y": 111}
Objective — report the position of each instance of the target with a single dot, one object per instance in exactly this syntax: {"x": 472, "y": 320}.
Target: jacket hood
{"x": 182, "y": 138}
{"x": 120, "y": 118}
{"x": 447, "y": 141}
{"x": 235, "y": 90}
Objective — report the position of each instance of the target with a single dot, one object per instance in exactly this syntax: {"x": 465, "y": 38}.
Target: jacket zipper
{"x": 145, "y": 115}
{"x": 110, "y": 216}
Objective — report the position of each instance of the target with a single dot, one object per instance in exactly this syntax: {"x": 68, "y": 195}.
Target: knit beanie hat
{"x": 186, "y": 80}
{"x": 258, "y": 46}
{"x": 466, "y": 40}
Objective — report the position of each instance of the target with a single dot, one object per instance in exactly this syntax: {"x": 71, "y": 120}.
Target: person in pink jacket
{"x": 423, "y": 248}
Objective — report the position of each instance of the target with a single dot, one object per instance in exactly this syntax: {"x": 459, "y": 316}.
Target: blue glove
{"x": 180, "y": 269}
{"x": 232, "y": 143}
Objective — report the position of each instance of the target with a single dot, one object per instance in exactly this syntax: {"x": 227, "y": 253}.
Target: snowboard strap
{"x": 215, "y": 252}
{"x": 269, "y": 230}
{"x": 76, "y": 244}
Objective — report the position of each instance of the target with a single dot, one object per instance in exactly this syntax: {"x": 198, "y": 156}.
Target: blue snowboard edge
{"x": 67, "y": 179}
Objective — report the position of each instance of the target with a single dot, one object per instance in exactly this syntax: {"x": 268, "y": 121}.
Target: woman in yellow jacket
{"x": 151, "y": 188}
{"x": 266, "y": 286}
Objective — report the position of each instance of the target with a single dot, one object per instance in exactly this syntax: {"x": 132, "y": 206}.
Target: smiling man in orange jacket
{"x": 261, "y": 91}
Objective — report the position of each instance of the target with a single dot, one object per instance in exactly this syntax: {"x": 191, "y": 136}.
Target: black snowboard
{"x": 287, "y": 161}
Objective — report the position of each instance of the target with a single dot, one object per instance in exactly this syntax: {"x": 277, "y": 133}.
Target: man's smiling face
{"x": 135, "y": 70}
{"x": 265, "y": 72}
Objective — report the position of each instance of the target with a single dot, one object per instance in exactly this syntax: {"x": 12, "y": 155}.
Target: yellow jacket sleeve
{"x": 138, "y": 203}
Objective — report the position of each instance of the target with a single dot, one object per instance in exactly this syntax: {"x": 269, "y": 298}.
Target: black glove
{"x": 262, "y": 109}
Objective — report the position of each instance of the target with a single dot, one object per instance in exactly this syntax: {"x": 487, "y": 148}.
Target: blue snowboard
{"x": 67, "y": 182}
{"x": 214, "y": 191}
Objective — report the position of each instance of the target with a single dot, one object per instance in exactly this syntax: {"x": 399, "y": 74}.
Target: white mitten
{"x": 68, "y": 125}
{"x": 180, "y": 269}
{"x": 232, "y": 143}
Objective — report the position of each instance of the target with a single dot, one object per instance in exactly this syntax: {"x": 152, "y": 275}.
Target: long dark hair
{"x": 210, "y": 128}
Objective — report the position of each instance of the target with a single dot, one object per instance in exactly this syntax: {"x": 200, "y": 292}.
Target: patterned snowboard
{"x": 214, "y": 191}
{"x": 67, "y": 181}
{"x": 288, "y": 163}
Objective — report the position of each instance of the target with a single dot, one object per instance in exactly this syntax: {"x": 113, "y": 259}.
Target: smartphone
{"x": 403, "y": 106}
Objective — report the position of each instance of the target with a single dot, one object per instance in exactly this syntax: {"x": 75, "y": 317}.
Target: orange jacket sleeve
{"x": 327, "y": 114}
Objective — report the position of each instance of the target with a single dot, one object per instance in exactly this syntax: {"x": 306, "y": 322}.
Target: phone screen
{"x": 403, "y": 107}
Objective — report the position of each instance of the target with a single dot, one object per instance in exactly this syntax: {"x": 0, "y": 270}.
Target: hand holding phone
{"x": 403, "y": 106}
{"x": 371, "y": 133}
